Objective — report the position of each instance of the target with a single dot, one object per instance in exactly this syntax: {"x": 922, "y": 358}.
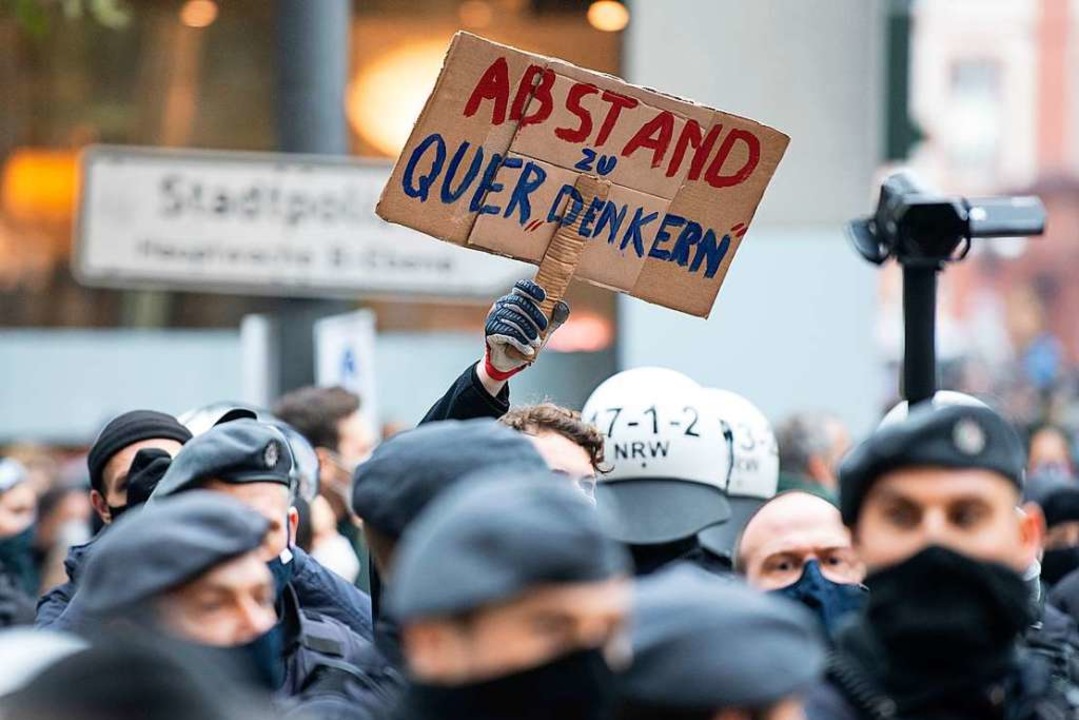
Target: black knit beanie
{"x": 123, "y": 430}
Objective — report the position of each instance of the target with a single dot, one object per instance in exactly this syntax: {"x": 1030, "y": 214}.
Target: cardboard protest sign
{"x": 494, "y": 160}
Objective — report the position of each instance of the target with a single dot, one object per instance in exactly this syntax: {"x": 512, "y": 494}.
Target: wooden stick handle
{"x": 564, "y": 252}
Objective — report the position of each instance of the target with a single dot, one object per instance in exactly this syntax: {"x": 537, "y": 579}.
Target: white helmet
{"x": 754, "y": 466}
{"x": 669, "y": 458}
{"x": 27, "y": 652}
{"x": 199, "y": 420}
{"x": 941, "y": 398}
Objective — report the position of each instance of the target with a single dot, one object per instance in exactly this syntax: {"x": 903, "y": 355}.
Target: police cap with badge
{"x": 494, "y": 536}
{"x": 166, "y": 545}
{"x": 957, "y": 436}
{"x": 407, "y": 471}
{"x": 703, "y": 644}
{"x": 238, "y": 452}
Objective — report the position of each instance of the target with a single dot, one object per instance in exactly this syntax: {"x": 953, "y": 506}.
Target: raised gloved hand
{"x": 146, "y": 471}
{"x": 515, "y": 322}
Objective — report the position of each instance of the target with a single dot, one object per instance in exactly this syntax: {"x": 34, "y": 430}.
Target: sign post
{"x": 345, "y": 356}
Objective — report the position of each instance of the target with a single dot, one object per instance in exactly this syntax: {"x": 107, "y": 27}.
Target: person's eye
{"x": 835, "y": 561}
{"x": 901, "y": 516}
{"x": 967, "y": 516}
{"x": 780, "y": 565}
{"x": 549, "y": 625}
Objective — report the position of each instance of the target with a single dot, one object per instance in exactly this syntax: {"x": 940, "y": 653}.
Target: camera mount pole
{"x": 919, "y": 331}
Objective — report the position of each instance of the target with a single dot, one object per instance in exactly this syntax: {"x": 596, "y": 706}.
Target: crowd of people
{"x": 664, "y": 553}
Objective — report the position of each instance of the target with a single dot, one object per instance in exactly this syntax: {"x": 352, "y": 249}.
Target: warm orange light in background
{"x": 39, "y": 184}
{"x": 608, "y": 15}
{"x": 476, "y": 13}
{"x": 583, "y": 332}
{"x": 198, "y": 13}
{"x": 385, "y": 99}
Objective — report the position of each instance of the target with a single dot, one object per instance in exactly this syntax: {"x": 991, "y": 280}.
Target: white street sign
{"x": 260, "y": 224}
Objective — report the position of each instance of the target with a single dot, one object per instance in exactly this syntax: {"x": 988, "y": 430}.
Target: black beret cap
{"x": 956, "y": 436}
{"x": 165, "y": 545}
{"x": 238, "y": 452}
{"x": 705, "y": 643}
{"x": 492, "y": 537}
{"x": 1040, "y": 485}
{"x": 1062, "y": 505}
{"x": 128, "y": 429}
{"x": 404, "y": 473}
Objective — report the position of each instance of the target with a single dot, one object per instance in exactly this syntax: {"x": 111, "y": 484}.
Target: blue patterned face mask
{"x": 830, "y": 601}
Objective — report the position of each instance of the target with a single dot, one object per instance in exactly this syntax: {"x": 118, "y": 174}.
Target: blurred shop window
{"x": 974, "y": 119}
{"x": 398, "y": 50}
{"x": 199, "y": 73}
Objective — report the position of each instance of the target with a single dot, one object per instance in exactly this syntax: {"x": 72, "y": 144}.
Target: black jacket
{"x": 853, "y": 689}
{"x": 467, "y": 399}
{"x": 52, "y": 607}
{"x": 330, "y": 671}
{"x": 16, "y": 607}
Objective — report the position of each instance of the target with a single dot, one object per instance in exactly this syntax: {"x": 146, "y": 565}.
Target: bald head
{"x": 787, "y": 532}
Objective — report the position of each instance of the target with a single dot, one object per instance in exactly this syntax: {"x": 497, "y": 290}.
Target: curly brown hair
{"x": 548, "y": 417}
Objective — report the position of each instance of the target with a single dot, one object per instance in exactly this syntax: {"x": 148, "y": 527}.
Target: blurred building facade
{"x": 201, "y": 74}
{"x": 995, "y": 87}
{"x": 801, "y": 321}
{"x": 792, "y": 328}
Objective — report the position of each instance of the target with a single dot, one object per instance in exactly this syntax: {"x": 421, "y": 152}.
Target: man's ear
{"x": 326, "y": 459}
{"x": 100, "y": 506}
{"x": 732, "y": 715}
{"x": 330, "y": 472}
{"x": 293, "y": 523}
{"x": 1031, "y": 533}
{"x": 434, "y": 652}
{"x": 817, "y": 468}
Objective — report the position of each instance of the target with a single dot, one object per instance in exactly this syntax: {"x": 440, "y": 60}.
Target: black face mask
{"x": 940, "y": 612}
{"x": 642, "y": 711}
{"x": 830, "y": 601}
{"x": 260, "y": 661}
{"x": 574, "y": 687}
{"x": 1059, "y": 563}
{"x": 264, "y": 655}
{"x": 115, "y": 511}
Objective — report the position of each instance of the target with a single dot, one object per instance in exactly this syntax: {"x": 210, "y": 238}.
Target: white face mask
{"x": 336, "y": 554}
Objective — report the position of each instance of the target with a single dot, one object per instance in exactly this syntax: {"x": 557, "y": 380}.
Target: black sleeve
{"x": 467, "y": 399}
{"x": 15, "y": 608}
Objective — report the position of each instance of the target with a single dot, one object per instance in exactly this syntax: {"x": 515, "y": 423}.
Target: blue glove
{"x": 516, "y": 322}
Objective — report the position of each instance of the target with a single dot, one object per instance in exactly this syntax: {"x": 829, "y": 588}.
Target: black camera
{"x": 923, "y": 231}
{"x": 919, "y": 228}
